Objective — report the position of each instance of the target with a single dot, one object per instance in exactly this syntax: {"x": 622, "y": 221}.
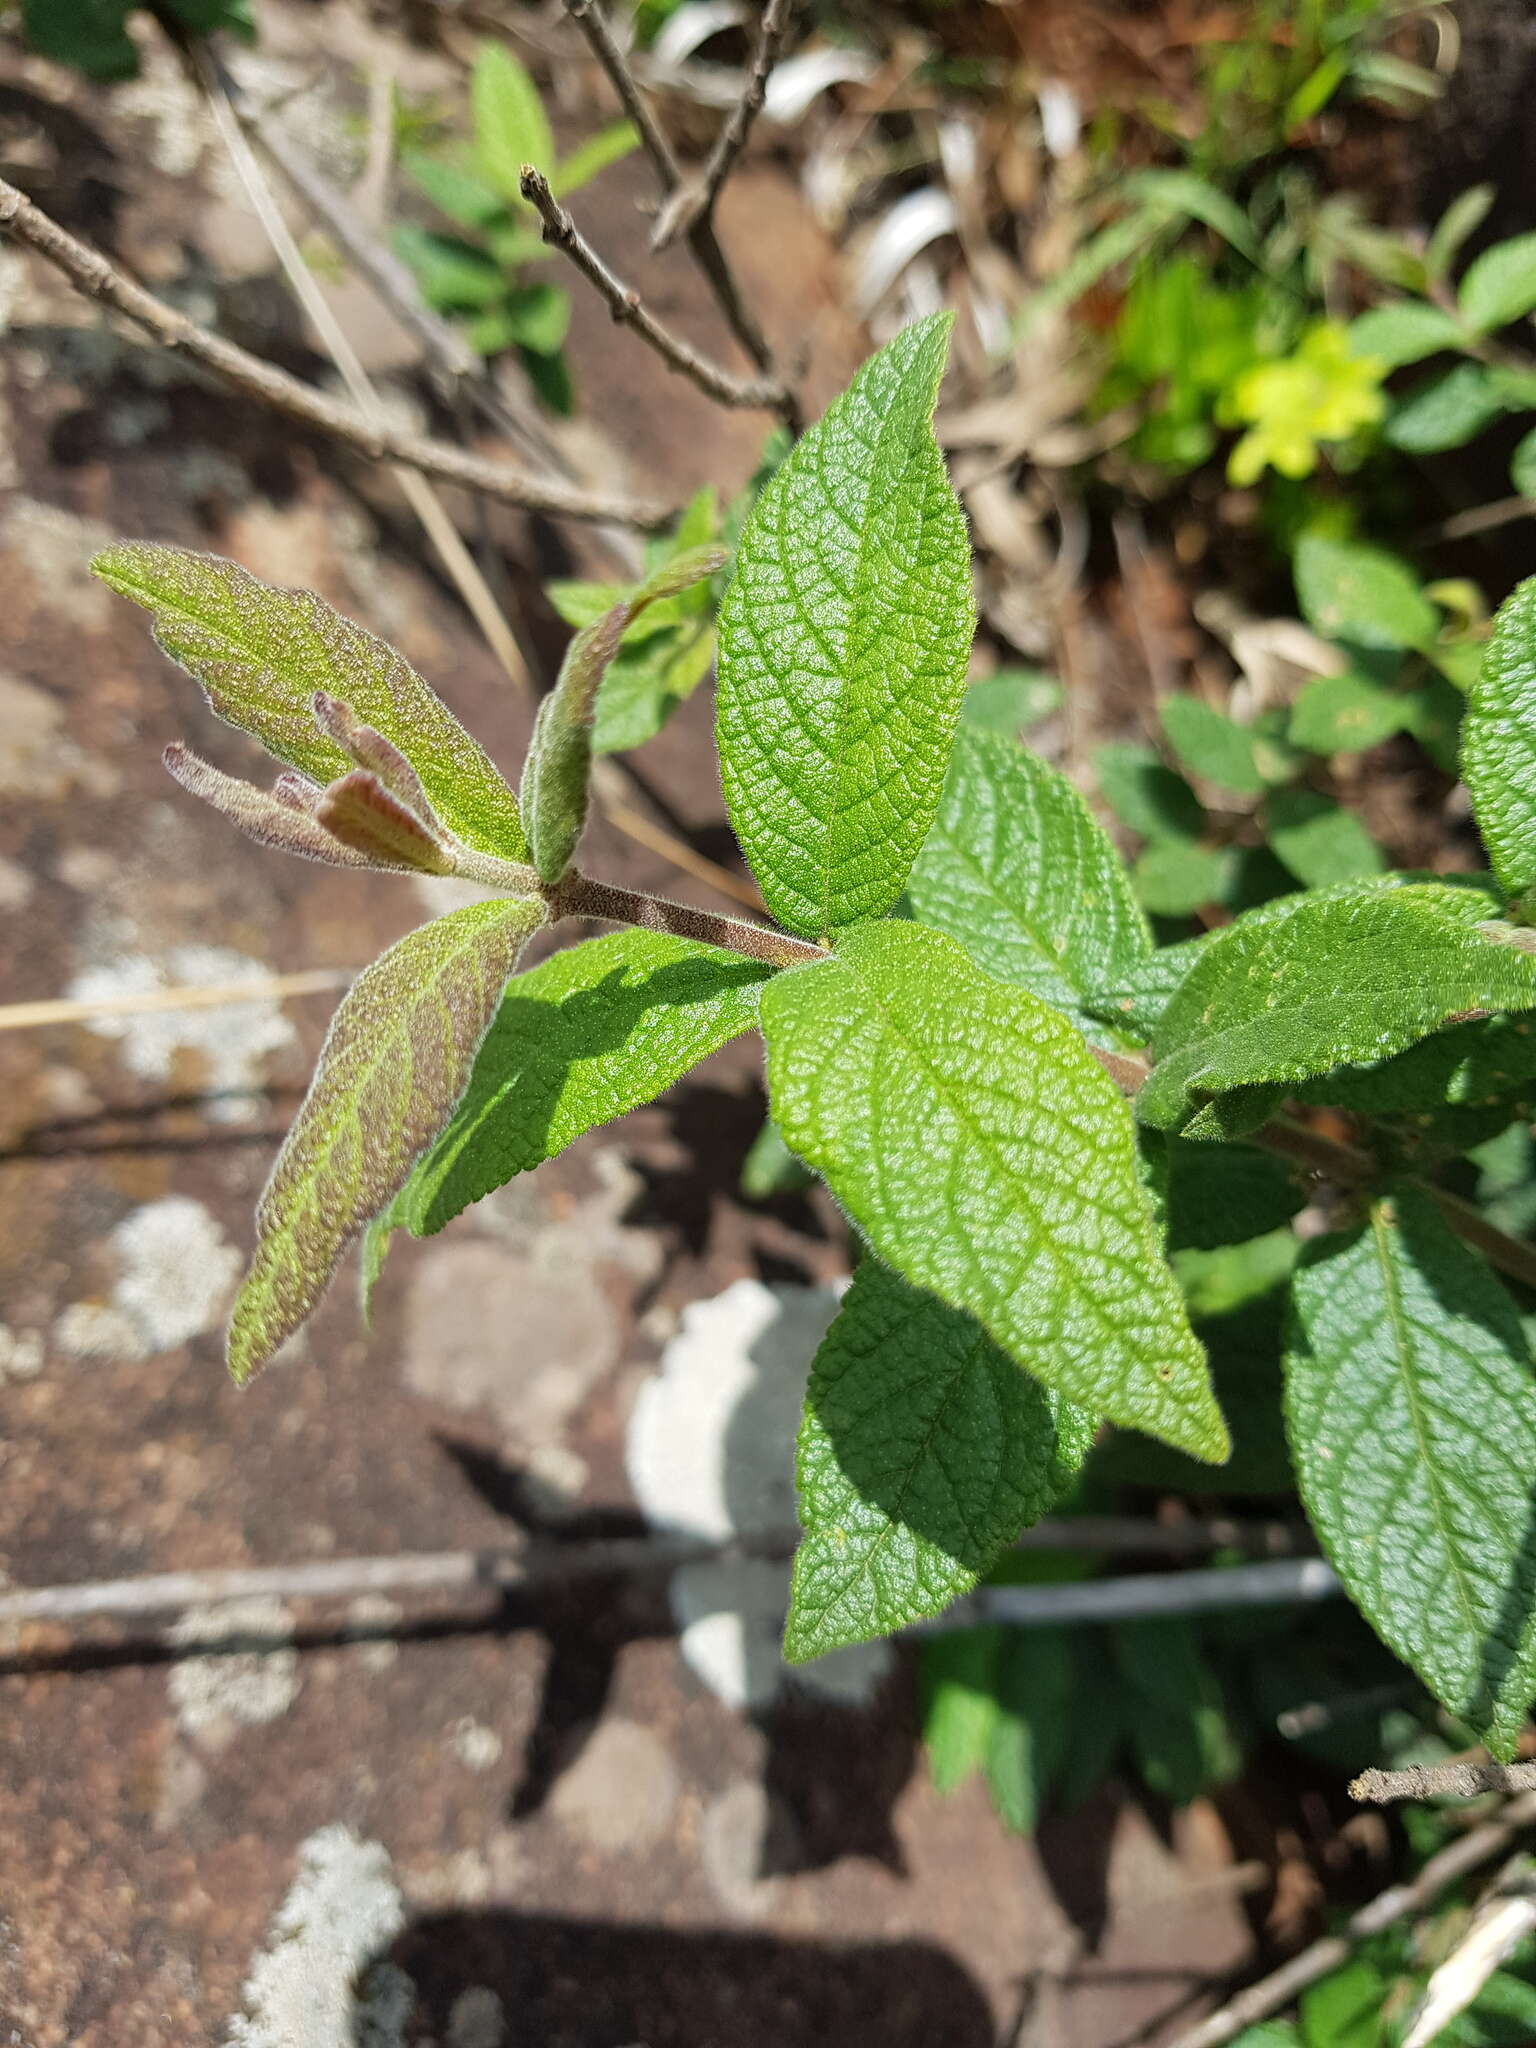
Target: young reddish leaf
{"x": 363, "y": 814}
{"x": 369, "y": 749}
{"x": 282, "y": 817}
{"x": 395, "y": 1061}
{"x": 262, "y": 654}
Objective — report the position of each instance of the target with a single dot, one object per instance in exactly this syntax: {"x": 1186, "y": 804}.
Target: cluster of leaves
{"x": 1404, "y": 656}
{"x": 949, "y": 1008}
{"x": 93, "y": 35}
{"x": 479, "y": 273}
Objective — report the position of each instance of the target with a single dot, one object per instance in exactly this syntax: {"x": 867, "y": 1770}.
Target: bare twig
{"x": 99, "y": 279}
{"x": 344, "y": 1578}
{"x": 702, "y": 240}
{"x": 201, "y": 996}
{"x": 1272, "y": 1993}
{"x": 1283, "y": 1582}
{"x": 627, "y": 307}
{"x": 1441, "y": 1781}
{"x": 694, "y": 199}
{"x": 1504, "y": 1918}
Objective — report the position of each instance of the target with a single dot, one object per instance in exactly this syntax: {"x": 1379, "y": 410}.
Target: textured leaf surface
{"x": 1334, "y": 980}
{"x": 990, "y": 1160}
{"x": 262, "y": 654}
{"x": 1017, "y": 868}
{"x": 396, "y": 1058}
{"x": 1412, "y": 1415}
{"x": 1498, "y": 742}
{"x": 1137, "y": 998}
{"x": 923, "y": 1450}
{"x": 578, "y": 1040}
{"x": 844, "y": 639}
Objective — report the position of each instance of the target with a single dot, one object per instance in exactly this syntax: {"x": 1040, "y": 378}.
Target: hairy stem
{"x": 579, "y": 895}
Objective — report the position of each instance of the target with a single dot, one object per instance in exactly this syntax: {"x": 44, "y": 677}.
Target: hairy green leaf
{"x": 1406, "y": 331}
{"x": 1017, "y": 868}
{"x": 263, "y": 654}
{"x": 1412, "y": 1416}
{"x": 1322, "y": 982}
{"x": 1465, "y": 1066}
{"x": 557, "y": 773}
{"x": 1175, "y": 878}
{"x": 923, "y": 1451}
{"x": 578, "y": 1040}
{"x": 991, "y": 1161}
{"x": 1011, "y": 701}
{"x": 395, "y": 1061}
{"x": 1500, "y": 285}
{"x": 1137, "y": 997}
{"x": 1361, "y": 594}
{"x": 844, "y": 638}
{"x": 1498, "y": 743}
{"x": 646, "y": 683}
{"x": 511, "y": 128}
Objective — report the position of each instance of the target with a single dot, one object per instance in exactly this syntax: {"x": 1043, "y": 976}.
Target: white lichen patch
{"x": 312, "y": 1985}
{"x": 21, "y": 1354}
{"x": 173, "y": 1273}
{"x": 248, "y": 1673}
{"x": 233, "y": 1040}
{"x": 475, "y": 1745}
{"x": 711, "y": 1453}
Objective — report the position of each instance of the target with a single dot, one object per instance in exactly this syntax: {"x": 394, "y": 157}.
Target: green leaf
{"x": 455, "y": 191}
{"x": 1210, "y": 744}
{"x": 1178, "y": 1732}
{"x": 1500, "y": 286}
{"x": 556, "y": 774}
{"x": 770, "y": 1170}
{"x": 1138, "y": 997}
{"x": 1011, "y": 701}
{"x": 1344, "y": 2010}
{"x": 1462, "y": 218}
{"x": 1464, "y": 1066}
{"x": 1175, "y": 879}
{"x": 923, "y": 1451}
{"x": 1447, "y": 411}
{"x": 262, "y": 654}
{"x": 90, "y": 34}
{"x": 1406, "y": 331}
{"x": 1522, "y": 465}
{"x": 1346, "y": 714}
{"x": 844, "y": 639}
{"x": 1184, "y": 194}
{"x": 395, "y": 1061}
{"x": 647, "y": 682}
{"x": 1017, "y": 868}
{"x": 1146, "y": 795}
{"x": 960, "y": 1708}
{"x": 579, "y": 1040}
{"x": 1225, "y": 1195}
{"x": 608, "y": 146}
{"x": 1032, "y": 1733}
{"x": 537, "y": 316}
{"x": 1320, "y": 982}
{"x": 1498, "y": 743}
{"x": 1412, "y": 1417}
{"x": 1361, "y": 594}
{"x": 455, "y": 277}
{"x": 1319, "y": 841}
{"x": 510, "y": 126}
{"x": 989, "y": 1159}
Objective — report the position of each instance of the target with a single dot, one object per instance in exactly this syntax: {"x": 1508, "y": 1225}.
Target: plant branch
{"x": 694, "y": 199}
{"x": 1441, "y": 1781}
{"x": 628, "y": 309}
{"x": 703, "y": 243}
{"x": 579, "y": 895}
{"x": 99, "y": 279}
{"x": 1401, "y": 1902}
